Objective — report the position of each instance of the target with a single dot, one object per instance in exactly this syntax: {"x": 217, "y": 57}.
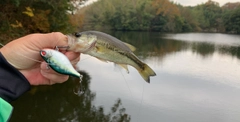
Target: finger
{"x": 49, "y": 40}
{"x": 72, "y": 55}
{"x": 55, "y": 39}
{"x": 75, "y": 62}
{"x": 54, "y": 78}
{"x": 46, "y": 68}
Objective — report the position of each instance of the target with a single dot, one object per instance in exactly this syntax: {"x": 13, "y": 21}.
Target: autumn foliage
{"x": 162, "y": 16}
{"x": 21, "y": 17}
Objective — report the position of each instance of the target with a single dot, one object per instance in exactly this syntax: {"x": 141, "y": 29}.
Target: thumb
{"x": 49, "y": 40}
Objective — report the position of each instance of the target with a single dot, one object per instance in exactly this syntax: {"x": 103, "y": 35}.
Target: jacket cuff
{"x": 5, "y": 110}
{"x": 12, "y": 82}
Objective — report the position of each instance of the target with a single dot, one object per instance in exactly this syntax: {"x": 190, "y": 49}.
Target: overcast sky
{"x": 192, "y": 2}
{"x": 195, "y": 2}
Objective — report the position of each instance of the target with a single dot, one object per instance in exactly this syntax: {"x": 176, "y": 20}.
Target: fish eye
{"x": 43, "y": 53}
{"x": 77, "y": 34}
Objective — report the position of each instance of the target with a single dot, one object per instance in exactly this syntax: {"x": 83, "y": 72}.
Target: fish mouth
{"x": 71, "y": 40}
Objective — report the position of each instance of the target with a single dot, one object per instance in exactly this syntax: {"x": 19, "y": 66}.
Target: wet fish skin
{"x": 58, "y": 62}
{"x": 108, "y": 48}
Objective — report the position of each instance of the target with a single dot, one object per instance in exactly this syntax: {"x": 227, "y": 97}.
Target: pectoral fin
{"x": 100, "y": 49}
{"x": 132, "y": 48}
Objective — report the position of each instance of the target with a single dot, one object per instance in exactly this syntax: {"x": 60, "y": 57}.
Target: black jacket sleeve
{"x": 12, "y": 83}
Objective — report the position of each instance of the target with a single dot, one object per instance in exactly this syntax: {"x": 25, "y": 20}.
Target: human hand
{"x": 23, "y": 54}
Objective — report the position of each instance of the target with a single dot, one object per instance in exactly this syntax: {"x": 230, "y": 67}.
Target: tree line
{"x": 161, "y": 15}
{"x": 21, "y": 17}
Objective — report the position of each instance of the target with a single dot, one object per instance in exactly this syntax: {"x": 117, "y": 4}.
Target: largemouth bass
{"x": 108, "y": 48}
{"x": 58, "y": 62}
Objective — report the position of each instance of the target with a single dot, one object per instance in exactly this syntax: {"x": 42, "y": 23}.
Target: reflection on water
{"x": 197, "y": 80}
{"x": 59, "y": 103}
{"x": 162, "y": 44}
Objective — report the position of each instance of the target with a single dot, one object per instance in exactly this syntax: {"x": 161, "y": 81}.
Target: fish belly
{"x": 118, "y": 57}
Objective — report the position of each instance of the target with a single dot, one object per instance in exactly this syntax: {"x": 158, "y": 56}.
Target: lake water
{"x": 198, "y": 80}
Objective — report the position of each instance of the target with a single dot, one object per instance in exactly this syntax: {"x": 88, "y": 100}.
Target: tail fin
{"x": 146, "y": 72}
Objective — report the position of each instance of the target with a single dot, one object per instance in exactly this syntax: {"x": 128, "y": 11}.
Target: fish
{"x": 108, "y": 49}
{"x": 59, "y": 62}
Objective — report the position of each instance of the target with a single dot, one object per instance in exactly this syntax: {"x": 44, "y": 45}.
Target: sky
{"x": 193, "y": 2}
{"x": 196, "y": 2}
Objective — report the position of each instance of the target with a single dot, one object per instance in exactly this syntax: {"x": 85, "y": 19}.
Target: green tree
{"x": 159, "y": 15}
{"x": 120, "y": 15}
{"x": 209, "y": 15}
{"x": 232, "y": 21}
{"x": 169, "y": 12}
{"x": 190, "y": 21}
{"x": 158, "y": 23}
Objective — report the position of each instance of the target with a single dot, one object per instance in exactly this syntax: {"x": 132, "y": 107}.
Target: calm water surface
{"x": 198, "y": 80}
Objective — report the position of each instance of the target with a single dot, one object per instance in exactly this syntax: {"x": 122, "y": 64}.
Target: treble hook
{"x": 80, "y": 90}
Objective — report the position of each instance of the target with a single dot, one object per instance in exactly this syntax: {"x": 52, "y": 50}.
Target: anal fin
{"x": 124, "y": 66}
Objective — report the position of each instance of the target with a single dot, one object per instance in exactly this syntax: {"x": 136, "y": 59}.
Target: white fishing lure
{"x": 59, "y": 62}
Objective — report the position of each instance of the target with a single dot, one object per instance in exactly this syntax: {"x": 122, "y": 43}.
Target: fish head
{"x": 81, "y": 41}
{"x": 46, "y": 54}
